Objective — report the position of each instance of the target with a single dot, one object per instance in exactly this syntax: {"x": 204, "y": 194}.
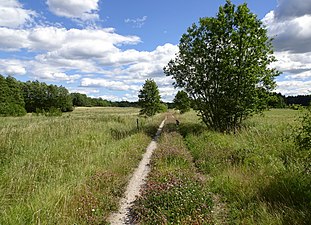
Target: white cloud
{"x": 60, "y": 39}
{"x": 12, "y": 67}
{"x": 291, "y": 34}
{"x": 289, "y": 24}
{"x": 12, "y": 14}
{"x": 113, "y": 98}
{"x": 92, "y": 57}
{"x": 87, "y": 91}
{"x": 13, "y": 40}
{"x": 108, "y": 84}
{"x": 75, "y": 9}
{"x": 292, "y": 88}
{"x": 137, "y": 22}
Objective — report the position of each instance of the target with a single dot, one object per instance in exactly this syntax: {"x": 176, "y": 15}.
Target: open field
{"x": 70, "y": 169}
{"x": 73, "y": 169}
{"x": 252, "y": 177}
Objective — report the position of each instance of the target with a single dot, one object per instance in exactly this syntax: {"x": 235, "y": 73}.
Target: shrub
{"x": 303, "y": 137}
{"x": 163, "y": 107}
{"x": 11, "y": 109}
{"x": 295, "y": 106}
{"x": 50, "y": 112}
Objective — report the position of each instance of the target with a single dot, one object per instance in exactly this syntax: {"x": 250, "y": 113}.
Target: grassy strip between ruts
{"x": 174, "y": 192}
{"x": 70, "y": 169}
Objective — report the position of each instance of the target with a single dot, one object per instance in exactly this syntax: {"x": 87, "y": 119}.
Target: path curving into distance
{"x": 136, "y": 182}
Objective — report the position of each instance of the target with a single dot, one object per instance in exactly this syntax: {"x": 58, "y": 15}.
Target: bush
{"x": 303, "y": 137}
{"x": 163, "y": 107}
{"x": 50, "y": 112}
{"x": 53, "y": 112}
{"x": 11, "y": 109}
{"x": 303, "y": 140}
{"x": 295, "y": 106}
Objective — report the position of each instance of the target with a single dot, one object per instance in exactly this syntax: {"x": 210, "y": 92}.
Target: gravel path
{"x": 136, "y": 182}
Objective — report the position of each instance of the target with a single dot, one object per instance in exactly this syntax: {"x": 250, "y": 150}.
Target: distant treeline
{"x": 18, "y": 98}
{"x": 278, "y": 100}
{"x": 79, "y": 99}
{"x": 83, "y": 100}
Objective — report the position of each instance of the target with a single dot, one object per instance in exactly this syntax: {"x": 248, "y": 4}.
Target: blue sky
{"x": 108, "y": 48}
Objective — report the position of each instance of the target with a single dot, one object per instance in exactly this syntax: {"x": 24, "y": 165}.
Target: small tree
{"x": 224, "y": 65}
{"x": 182, "y": 102}
{"x": 149, "y": 98}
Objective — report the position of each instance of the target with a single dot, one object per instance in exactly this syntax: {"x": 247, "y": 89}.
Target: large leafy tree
{"x": 182, "y": 102}
{"x": 11, "y": 97}
{"x": 40, "y": 96}
{"x": 223, "y": 63}
{"x": 149, "y": 98}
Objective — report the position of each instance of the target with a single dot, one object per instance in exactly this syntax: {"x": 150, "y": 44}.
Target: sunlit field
{"x": 257, "y": 171}
{"x": 73, "y": 169}
{"x": 70, "y": 169}
{"x": 252, "y": 177}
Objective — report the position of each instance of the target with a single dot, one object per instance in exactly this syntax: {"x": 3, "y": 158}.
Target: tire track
{"x": 136, "y": 182}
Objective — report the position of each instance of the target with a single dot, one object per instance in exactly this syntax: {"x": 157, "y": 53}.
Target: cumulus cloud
{"x": 12, "y": 14}
{"x": 49, "y": 73}
{"x": 291, "y": 34}
{"x": 75, "y": 9}
{"x": 289, "y": 24}
{"x": 94, "y": 58}
{"x": 62, "y": 39}
{"x": 294, "y": 66}
{"x": 108, "y": 84}
{"x": 294, "y": 87}
{"x": 87, "y": 91}
{"x": 12, "y": 67}
{"x": 287, "y": 9}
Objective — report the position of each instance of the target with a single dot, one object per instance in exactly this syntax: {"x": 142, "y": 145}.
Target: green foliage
{"x": 303, "y": 136}
{"x": 17, "y": 98}
{"x": 295, "y": 106}
{"x": 163, "y": 107}
{"x": 11, "y": 109}
{"x": 11, "y": 98}
{"x": 303, "y": 100}
{"x": 223, "y": 63}
{"x": 39, "y": 95}
{"x": 277, "y": 100}
{"x": 182, "y": 102}
{"x": 149, "y": 98}
{"x": 79, "y": 99}
{"x": 50, "y": 112}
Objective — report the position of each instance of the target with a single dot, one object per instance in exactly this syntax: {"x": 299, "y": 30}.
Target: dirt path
{"x": 135, "y": 183}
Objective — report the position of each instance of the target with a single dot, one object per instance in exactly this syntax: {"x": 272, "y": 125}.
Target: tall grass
{"x": 70, "y": 169}
{"x": 256, "y": 171}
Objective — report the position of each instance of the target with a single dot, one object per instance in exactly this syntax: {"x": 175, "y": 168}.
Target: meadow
{"x": 70, "y": 169}
{"x": 73, "y": 169}
{"x": 255, "y": 176}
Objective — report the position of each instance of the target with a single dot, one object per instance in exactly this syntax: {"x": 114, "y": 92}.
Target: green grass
{"x": 255, "y": 171}
{"x": 254, "y": 176}
{"x": 73, "y": 169}
{"x": 70, "y": 169}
